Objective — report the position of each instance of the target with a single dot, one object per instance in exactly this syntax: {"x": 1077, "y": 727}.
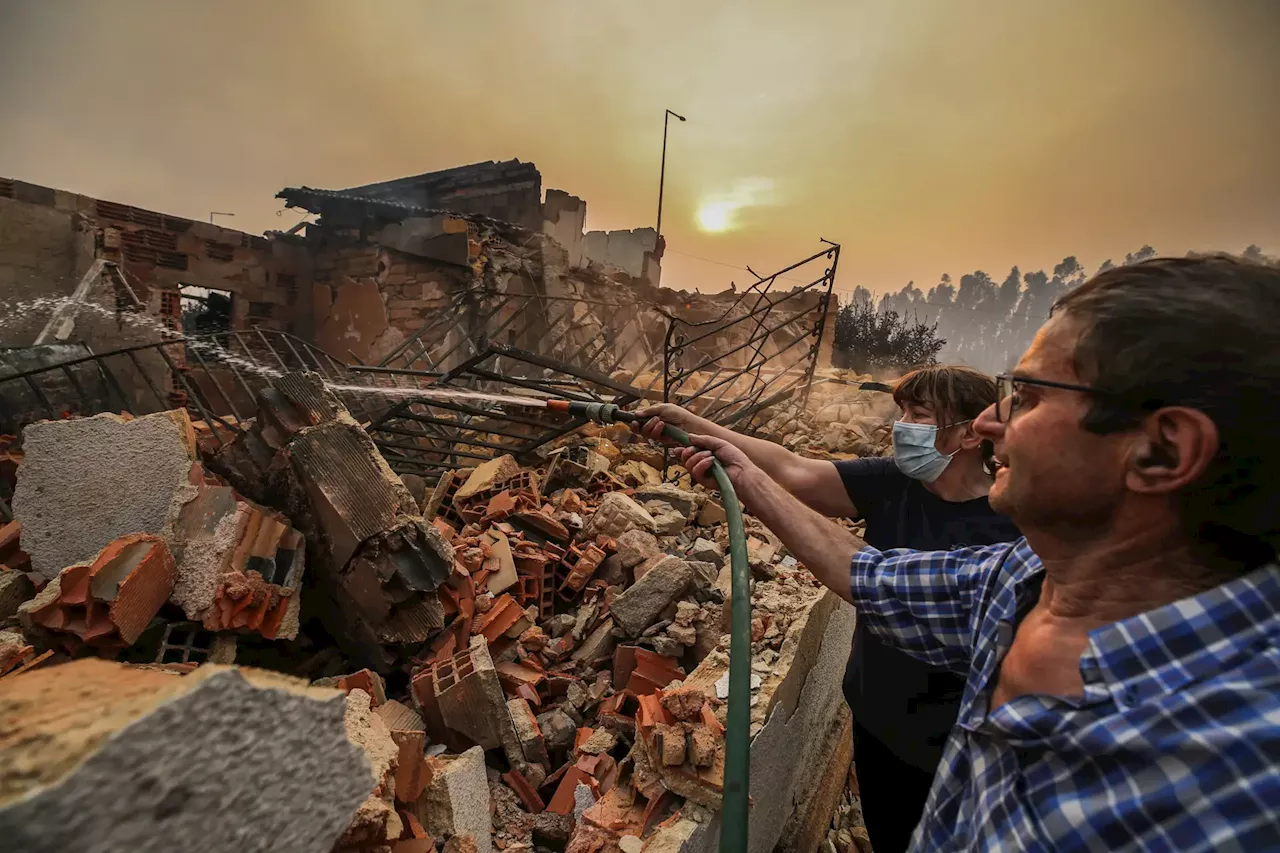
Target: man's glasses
{"x": 1007, "y": 392}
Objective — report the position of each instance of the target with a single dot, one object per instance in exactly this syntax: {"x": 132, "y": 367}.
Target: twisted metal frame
{"x": 575, "y": 360}
{"x": 759, "y": 314}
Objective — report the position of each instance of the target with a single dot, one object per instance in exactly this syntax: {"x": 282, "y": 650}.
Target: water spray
{"x": 737, "y": 758}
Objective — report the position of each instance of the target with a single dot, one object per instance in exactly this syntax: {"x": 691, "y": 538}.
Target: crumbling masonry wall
{"x": 632, "y": 251}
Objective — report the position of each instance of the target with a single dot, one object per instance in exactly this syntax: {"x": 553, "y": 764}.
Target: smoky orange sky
{"x": 925, "y": 136}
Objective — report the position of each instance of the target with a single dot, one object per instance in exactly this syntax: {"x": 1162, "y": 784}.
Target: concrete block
{"x": 87, "y": 481}
{"x": 375, "y": 823}
{"x": 468, "y": 697}
{"x": 707, "y": 551}
{"x": 636, "y": 546}
{"x": 488, "y": 475}
{"x": 456, "y": 803}
{"x": 680, "y": 500}
{"x": 103, "y": 756}
{"x": 15, "y": 589}
{"x": 617, "y": 514}
{"x": 526, "y": 725}
{"x": 558, "y": 729}
{"x": 818, "y": 794}
{"x": 638, "y": 606}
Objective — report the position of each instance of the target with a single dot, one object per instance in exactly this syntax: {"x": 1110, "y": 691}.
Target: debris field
{"x": 516, "y": 657}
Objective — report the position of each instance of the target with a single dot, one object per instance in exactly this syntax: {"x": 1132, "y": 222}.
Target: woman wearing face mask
{"x": 930, "y": 495}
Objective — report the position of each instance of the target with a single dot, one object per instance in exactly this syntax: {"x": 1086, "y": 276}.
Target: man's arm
{"x": 824, "y": 547}
{"x": 815, "y": 482}
{"x": 919, "y": 601}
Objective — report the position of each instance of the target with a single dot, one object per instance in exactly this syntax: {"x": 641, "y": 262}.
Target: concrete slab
{"x": 104, "y": 756}
{"x": 87, "y": 481}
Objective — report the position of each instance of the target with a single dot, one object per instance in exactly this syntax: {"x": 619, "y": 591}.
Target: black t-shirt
{"x": 903, "y": 702}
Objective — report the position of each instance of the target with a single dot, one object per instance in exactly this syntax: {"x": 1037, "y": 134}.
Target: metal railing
{"x": 603, "y": 353}
{"x": 758, "y": 351}
{"x": 532, "y": 321}
{"x": 215, "y": 377}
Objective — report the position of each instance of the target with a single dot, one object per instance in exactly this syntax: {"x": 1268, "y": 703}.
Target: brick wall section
{"x": 45, "y": 247}
{"x": 413, "y": 289}
{"x": 368, "y": 298}
{"x": 48, "y": 238}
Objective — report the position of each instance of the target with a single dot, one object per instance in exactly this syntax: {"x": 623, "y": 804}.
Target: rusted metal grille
{"x": 760, "y": 352}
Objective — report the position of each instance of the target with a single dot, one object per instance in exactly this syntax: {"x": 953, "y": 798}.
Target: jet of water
{"x": 441, "y": 394}
{"x": 220, "y": 355}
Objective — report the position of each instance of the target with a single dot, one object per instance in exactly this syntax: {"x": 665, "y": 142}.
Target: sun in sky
{"x": 715, "y": 217}
{"x": 718, "y": 212}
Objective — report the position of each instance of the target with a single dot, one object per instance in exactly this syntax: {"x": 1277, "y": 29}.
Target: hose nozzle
{"x": 604, "y": 413}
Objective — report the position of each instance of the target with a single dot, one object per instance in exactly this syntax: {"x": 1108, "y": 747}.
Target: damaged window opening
{"x": 205, "y": 311}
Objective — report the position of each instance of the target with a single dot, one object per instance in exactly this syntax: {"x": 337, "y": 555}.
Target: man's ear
{"x": 1172, "y": 450}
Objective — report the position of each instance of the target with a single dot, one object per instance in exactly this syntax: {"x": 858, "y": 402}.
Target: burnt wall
{"x": 369, "y": 297}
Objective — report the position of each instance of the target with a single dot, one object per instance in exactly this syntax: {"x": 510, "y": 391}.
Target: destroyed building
{"x": 527, "y": 614}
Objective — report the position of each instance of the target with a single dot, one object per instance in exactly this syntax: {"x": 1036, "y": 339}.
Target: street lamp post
{"x": 662, "y": 174}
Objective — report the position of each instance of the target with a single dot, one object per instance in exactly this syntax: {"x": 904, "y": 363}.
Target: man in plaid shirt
{"x": 1123, "y": 659}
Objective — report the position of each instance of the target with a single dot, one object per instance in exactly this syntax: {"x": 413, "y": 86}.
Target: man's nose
{"x": 987, "y": 426}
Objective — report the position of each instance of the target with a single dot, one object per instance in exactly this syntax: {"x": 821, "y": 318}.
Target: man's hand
{"x": 660, "y": 415}
{"x": 704, "y": 449}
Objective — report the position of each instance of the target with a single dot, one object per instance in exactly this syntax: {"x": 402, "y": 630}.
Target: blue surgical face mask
{"x": 915, "y": 451}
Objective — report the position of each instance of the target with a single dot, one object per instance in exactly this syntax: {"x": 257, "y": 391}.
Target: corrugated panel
{"x": 306, "y": 394}
{"x": 414, "y": 623}
{"x": 337, "y": 460}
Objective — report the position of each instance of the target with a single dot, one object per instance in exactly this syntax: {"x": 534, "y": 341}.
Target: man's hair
{"x": 1201, "y": 332}
{"x": 954, "y": 392}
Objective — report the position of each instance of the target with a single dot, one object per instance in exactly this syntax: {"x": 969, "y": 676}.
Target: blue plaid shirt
{"x": 1174, "y": 746}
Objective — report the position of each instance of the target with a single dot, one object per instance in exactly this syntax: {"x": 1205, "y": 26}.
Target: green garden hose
{"x": 737, "y": 737}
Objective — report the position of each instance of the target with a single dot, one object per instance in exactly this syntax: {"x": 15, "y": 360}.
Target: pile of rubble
{"x": 532, "y": 658}
{"x": 839, "y": 421}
